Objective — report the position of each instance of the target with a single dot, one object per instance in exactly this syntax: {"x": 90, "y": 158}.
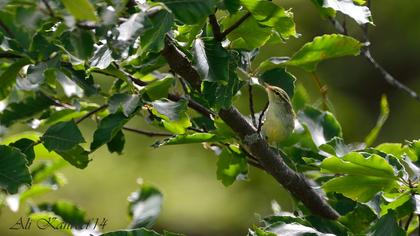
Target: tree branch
{"x": 147, "y": 133}
{"x": 273, "y": 163}
{"x": 180, "y": 63}
{"x": 215, "y": 27}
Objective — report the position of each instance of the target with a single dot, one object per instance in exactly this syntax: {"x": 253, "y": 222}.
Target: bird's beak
{"x": 268, "y": 87}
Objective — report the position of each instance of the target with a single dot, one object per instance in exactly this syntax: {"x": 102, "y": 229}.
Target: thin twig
{"x": 91, "y": 113}
{"x": 235, "y": 25}
{"x": 50, "y": 10}
{"x": 323, "y": 90}
{"x": 260, "y": 120}
{"x": 147, "y": 133}
{"x": 194, "y": 105}
{"x": 251, "y": 105}
{"x": 390, "y": 79}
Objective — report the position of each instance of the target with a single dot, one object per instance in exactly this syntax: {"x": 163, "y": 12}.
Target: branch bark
{"x": 258, "y": 147}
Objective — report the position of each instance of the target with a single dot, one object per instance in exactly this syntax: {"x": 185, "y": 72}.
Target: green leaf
{"x": 26, "y": 146}
{"x": 272, "y": 63}
{"x": 173, "y": 115}
{"x": 301, "y": 98}
{"x": 355, "y": 163}
{"x": 387, "y": 225}
{"x": 322, "y": 124}
{"x": 325, "y": 12}
{"x": 189, "y": 138}
{"x": 402, "y": 205}
{"x": 102, "y": 57}
{"x": 82, "y": 80}
{"x": 269, "y": 14}
{"x": 69, "y": 86}
{"x": 127, "y": 103}
{"x": 62, "y": 136}
{"x": 159, "y": 88}
{"x": 220, "y": 94}
{"x": 80, "y": 9}
{"x": 35, "y": 77}
{"x": 279, "y": 77}
{"x": 249, "y": 35}
{"x": 144, "y": 207}
{"x": 358, "y": 187}
{"x": 79, "y": 43}
{"x": 323, "y": 48}
{"x": 67, "y": 211}
{"x": 211, "y": 60}
{"x": 132, "y": 232}
{"x": 231, "y": 5}
{"x": 231, "y": 165}
{"x": 358, "y": 220}
{"x": 337, "y": 147}
{"x": 327, "y": 226}
{"x": 190, "y": 11}
{"x": 14, "y": 171}
{"x": 77, "y": 156}
{"x": 128, "y": 32}
{"x": 24, "y": 109}
{"x": 383, "y": 116}
{"x": 107, "y": 129}
{"x": 117, "y": 143}
{"x": 8, "y": 77}
{"x": 153, "y": 40}
{"x": 361, "y": 14}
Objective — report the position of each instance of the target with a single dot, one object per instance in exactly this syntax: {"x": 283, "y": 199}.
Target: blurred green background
{"x": 195, "y": 203}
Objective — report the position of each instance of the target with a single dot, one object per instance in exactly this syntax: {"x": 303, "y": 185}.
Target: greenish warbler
{"x": 279, "y": 120}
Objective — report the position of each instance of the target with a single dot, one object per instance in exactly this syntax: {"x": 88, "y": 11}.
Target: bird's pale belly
{"x": 277, "y": 126}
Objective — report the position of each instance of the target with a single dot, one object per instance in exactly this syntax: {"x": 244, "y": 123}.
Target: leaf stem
{"x": 323, "y": 90}
{"x": 235, "y": 25}
{"x": 390, "y": 79}
{"x": 94, "y": 111}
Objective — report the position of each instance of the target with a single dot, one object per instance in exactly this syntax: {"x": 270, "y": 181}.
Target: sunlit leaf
{"x": 323, "y": 48}
{"x": 231, "y": 166}
{"x": 383, "y": 116}
{"x": 80, "y": 9}
{"x": 269, "y": 14}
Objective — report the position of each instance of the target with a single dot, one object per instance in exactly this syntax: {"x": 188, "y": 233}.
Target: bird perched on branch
{"x": 279, "y": 120}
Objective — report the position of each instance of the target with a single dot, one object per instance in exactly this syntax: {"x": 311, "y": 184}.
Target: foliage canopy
{"x": 180, "y": 65}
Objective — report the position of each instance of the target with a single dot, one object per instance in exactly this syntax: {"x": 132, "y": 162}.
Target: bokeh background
{"x": 195, "y": 203}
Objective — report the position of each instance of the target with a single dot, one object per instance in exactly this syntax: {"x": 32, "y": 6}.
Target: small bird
{"x": 279, "y": 120}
